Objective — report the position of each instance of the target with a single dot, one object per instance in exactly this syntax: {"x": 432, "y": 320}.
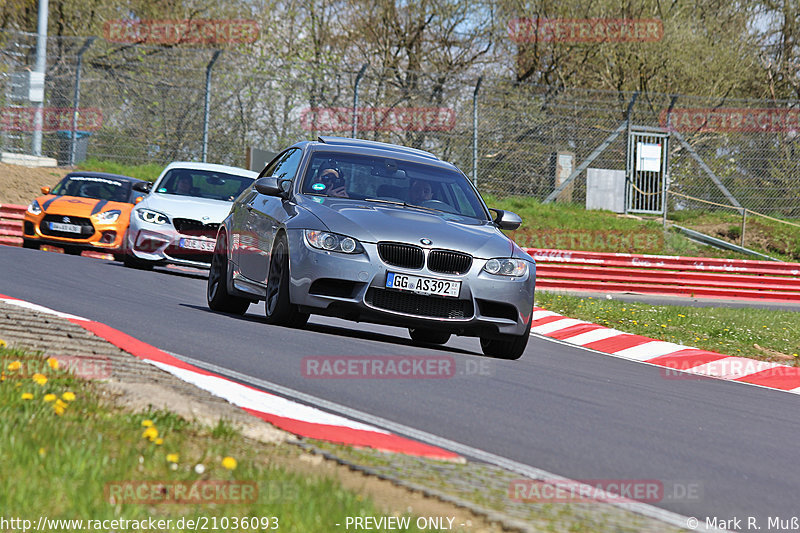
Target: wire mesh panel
{"x": 647, "y": 167}
{"x": 145, "y": 104}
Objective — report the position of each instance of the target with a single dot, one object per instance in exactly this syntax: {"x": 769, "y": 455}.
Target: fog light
{"x": 108, "y": 237}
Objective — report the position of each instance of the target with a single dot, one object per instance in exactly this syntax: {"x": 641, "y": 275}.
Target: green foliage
{"x": 73, "y": 462}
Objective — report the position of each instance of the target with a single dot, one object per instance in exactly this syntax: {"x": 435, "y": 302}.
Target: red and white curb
{"x": 675, "y": 358}
{"x": 285, "y": 414}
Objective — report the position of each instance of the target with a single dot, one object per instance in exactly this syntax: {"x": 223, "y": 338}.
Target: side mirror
{"x": 506, "y": 219}
{"x": 45, "y": 190}
{"x": 270, "y": 186}
{"x": 142, "y": 187}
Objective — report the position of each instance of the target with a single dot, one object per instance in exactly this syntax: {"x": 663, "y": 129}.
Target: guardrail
{"x": 11, "y": 224}
{"x": 666, "y": 275}
{"x": 612, "y": 272}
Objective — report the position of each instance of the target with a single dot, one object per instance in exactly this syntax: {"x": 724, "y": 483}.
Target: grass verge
{"x": 763, "y": 334}
{"x": 149, "y": 171}
{"x": 68, "y": 455}
{"x": 571, "y": 227}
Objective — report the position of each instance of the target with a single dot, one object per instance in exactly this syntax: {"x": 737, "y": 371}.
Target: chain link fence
{"x": 146, "y": 104}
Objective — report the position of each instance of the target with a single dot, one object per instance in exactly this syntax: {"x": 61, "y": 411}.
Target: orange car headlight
{"x": 106, "y": 217}
{"x": 35, "y": 208}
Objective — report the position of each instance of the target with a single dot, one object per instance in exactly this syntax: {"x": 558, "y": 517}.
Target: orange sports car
{"x": 85, "y": 211}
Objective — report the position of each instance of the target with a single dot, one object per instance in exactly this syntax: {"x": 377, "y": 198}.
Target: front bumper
{"x": 162, "y": 243}
{"x": 106, "y": 237}
{"x": 353, "y": 287}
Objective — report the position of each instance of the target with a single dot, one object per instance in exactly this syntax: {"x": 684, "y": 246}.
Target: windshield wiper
{"x": 404, "y": 204}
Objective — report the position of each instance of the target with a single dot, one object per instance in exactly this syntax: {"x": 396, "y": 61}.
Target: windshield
{"x": 203, "y": 184}
{"x": 382, "y": 179}
{"x": 93, "y": 187}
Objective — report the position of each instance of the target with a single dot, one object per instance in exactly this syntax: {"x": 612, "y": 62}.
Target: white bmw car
{"x": 177, "y": 221}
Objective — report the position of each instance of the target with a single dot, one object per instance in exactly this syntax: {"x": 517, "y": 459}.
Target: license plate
{"x": 68, "y": 228}
{"x": 196, "y": 244}
{"x": 428, "y": 286}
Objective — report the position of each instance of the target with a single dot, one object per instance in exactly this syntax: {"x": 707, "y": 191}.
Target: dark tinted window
{"x": 393, "y": 180}
{"x": 94, "y": 187}
{"x": 203, "y": 184}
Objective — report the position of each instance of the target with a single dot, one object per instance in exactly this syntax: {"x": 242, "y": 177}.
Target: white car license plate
{"x": 429, "y": 286}
{"x": 68, "y": 228}
{"x": 196, "y": 244}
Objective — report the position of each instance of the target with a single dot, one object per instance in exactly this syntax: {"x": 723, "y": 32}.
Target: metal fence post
{"x": 475, "y": 131}
{"x": 41, "y": 68}
{"x": 744, "y": 222}
{"x": 207, "y": 102}
{"x": 355, "y": 98}
{"x": 77, "y": 99}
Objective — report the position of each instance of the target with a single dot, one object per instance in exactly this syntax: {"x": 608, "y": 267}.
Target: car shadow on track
{"x": 343, "y": 332}
{"x": 168, "y": 270}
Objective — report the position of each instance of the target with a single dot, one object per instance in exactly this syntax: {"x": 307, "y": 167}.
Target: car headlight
{"x": 153, "y": 217}
{"x": 506, "y": 267}
{"x": 106, "y": 217}
{"x": 332, "y": 242}
{"x": 35, "y": 208}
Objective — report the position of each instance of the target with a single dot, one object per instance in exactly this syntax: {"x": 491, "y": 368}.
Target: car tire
{"x": 507, "y": 346}
{"x": 30, "y": 243}
{"x": 217, "y": 295}
{"x": 132, "y": 262}
{"x": 278, "y": 308}
{"x": 428, "y": 336}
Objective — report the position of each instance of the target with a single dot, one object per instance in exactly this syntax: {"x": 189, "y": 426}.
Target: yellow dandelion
{"x": 49, "y": 398}
{"x": 61, "y": 404}
{"x": 68, "y": 396}
{"x": 150, "y": 433}
{"x": 147, "y": 423}
{"x": 229, "y": 463}
{"x": 2, "y": 376}
{"x": 42, "y": 452}
{"x": 58, "y": 409}
{"x": 3, "y": 343}
{"x": 27, "y": 396}
{"x": 159, "y": 441}
{"x": 52, "y": 362}
{"x": 14, "y": 365}
{"x": 39, "y": 379}
{"x": 173, "y": 457}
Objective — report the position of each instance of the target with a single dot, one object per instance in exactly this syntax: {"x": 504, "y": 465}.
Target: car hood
{"x": 374, "y": 222}
{"x": 78, "y": 207}
{"x": 187, "y": 207}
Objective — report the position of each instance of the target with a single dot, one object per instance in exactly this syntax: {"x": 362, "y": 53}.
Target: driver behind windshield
{"x": 419, "y": 192}
{"x": 334, "y": 182}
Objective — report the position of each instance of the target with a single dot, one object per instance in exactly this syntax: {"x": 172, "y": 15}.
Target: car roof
{"x": 211, "y": 167}
{"x": 106, "y": 175}
{"x": 375, "y": 148}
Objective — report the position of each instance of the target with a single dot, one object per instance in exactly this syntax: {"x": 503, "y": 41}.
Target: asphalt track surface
{"x": 572, "y": 412}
